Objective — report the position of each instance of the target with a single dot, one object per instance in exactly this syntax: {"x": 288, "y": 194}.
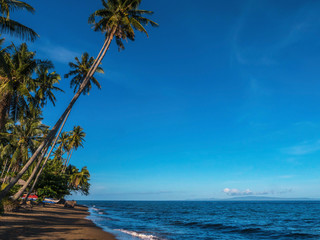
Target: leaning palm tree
{"x": 12, "y": 27}
{"x": 117, "y": 19}
{"x": 79, "y": 71}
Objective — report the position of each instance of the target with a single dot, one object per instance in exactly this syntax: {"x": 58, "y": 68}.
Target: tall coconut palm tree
{"x": 79, "y": 71}
{"x": 117, "y": 18}
{"x": 12, "y": 27}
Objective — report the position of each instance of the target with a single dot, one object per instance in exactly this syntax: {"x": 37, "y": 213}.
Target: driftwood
{"x": 70, "y": 204}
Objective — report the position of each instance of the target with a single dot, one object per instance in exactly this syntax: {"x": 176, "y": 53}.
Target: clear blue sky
{"x": 222, "y": 99}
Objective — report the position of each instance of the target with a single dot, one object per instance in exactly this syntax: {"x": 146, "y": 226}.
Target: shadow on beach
{"x": 50, "y": 222}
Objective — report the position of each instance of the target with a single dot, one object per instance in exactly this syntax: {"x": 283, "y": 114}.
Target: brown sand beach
{"x": 50, "y": 222}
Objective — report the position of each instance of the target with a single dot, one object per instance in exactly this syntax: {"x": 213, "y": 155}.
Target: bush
{"x": 9, "y": 205}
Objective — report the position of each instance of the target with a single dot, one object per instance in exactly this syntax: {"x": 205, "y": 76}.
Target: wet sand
{"x": 50, "y": 222}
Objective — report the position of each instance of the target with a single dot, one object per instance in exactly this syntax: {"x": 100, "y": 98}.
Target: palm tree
{"x": 79, "y": 70}
{"x": 63, "y": 142}
{"x": 16, "y": 75}
{"x": 45, "y": 82}
{"x": 17, "y": 85}
{"x": 22, "y": 140}
{"x": 77, "y": 136}
{"x": 68, "y": 142}
{"x": 118, "y": 19}
{"x": 12, "y": 27}
{"x": 32, "y": 175}
{"x": 80, "y": 180}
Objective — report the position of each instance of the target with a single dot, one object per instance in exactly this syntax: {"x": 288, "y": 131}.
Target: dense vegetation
{"x": 29, "y": 149}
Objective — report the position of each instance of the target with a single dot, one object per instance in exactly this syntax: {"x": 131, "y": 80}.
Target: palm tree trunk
{"x": 4, "y": 108}
{"x": 47, "y": 141}
{"x": 45, "y": 161}
{"x": 65, "y": 167}
{"x": 23, "y": 188}
{"x": 14, "y": 180}
{"x": 65, "y": 162}
{"x": 7, "y": 174}
{"x": 4, "y": 168}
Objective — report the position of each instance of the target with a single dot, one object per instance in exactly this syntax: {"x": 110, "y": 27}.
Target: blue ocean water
{"x": 207, "y": 220}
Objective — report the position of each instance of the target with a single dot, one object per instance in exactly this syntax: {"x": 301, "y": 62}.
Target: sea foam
{"x": 139, "y": 235}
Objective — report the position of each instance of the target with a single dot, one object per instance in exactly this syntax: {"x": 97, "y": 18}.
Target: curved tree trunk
{"x": 45, "y": 161}
{"x": 6, "y": 176}
{"x": 4, "y": 168}
{"x": 65, "y": 167}
{"x": 47, "y": 141}
{"x": 23, "y": 188}
{"x": 65, "y": 162}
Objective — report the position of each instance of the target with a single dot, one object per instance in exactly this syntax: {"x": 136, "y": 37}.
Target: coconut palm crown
{"x": 122, "y": 17}
{"x": 79, "y": 71}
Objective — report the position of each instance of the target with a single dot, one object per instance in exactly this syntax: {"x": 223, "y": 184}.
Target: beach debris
{"x": 70, "y": 204}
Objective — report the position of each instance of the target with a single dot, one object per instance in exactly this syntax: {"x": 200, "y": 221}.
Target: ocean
{"x": 155, "y": 220}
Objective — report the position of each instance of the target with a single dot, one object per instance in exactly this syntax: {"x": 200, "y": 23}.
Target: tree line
{"x": 30, "y": 150}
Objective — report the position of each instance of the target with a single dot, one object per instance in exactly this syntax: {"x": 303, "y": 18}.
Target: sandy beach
{"x": 50, "y": 222}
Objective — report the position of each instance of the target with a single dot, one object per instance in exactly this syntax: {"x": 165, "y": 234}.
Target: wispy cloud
{"x": 56, "y": 52}
{"x": 264, "y": 52}
{"x": 60, "y": 54}
{"x": 248, "y": 192}
{"x": 303, "y": 148}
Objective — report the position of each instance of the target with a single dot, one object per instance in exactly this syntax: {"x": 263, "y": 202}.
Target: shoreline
{"x": 52, "y": 221}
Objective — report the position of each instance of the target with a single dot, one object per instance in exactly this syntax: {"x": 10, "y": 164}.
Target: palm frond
{"x": 17, "y": 29}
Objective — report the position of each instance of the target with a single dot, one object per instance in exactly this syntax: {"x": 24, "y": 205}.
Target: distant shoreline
{"x": 51, "y": 222}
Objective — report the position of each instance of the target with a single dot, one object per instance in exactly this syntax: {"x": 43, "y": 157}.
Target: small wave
{"x": 215, "y": 226}
{"x": 203, "y": 225}
{"x": 139, "y": 235}
{"x": 249, "y": 230}
{"x": 301, "y": 236}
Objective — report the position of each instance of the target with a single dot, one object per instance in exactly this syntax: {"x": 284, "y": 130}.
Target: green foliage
{"x": 52, "y": 185}
{"x": 28, "y": 84}
{"x": 55, "y": 184}
{"x": 12, "y": 27}
{"x": 79, "y": 180}
{"x": 8, "y": 205}
{"x": 79, "y": 70}
{"x": 122, "y": 17}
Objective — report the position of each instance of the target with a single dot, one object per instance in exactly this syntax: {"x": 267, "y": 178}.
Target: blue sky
{"x": 221, "y": 100}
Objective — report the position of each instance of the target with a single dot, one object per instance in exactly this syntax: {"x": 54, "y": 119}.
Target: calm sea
{"x": 207, "y": 220}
